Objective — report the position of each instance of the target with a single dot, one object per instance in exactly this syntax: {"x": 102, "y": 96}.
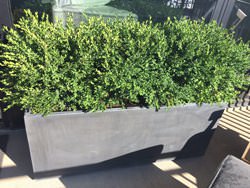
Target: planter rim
{"x": 188, "y": 105}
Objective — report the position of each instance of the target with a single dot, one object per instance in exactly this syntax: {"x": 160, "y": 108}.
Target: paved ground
{"x": 16, "y": 168}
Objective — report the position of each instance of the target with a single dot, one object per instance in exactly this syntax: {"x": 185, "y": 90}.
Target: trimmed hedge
{"x": 46, "y": 67}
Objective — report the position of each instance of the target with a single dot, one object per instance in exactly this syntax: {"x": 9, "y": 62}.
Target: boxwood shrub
{"x": 47, "y": 67}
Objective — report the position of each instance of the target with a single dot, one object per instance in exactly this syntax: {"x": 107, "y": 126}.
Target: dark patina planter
{"x": 71, "y": 139}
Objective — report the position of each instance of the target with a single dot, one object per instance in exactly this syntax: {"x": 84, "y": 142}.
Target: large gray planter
{"x": 71, "y": 139}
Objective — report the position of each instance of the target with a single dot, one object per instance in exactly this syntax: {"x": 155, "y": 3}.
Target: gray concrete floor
{"x": 16, "y": 170}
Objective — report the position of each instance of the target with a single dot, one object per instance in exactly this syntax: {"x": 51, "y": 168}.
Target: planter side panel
{"x": 64, "y": 140}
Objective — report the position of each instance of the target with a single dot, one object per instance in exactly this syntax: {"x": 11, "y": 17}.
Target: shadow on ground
{"x": 3, "y": 146}
{"x": 223, "y": 143}
{"x": 146, "y": 176}
{"x": 14, "y": 144}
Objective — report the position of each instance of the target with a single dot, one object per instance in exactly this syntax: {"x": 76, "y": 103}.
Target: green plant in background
{"x": 47, "y": 67}
{"x": 144, "y": 9}
{"x": 40, "y": 6}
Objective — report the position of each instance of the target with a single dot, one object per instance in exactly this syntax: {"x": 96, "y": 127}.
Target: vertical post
{"x": 5, "y": 13}
{"x": 246, "y": 155}
{"x": 222, "y": 11}
{"x": 5, "y": 20}
{"x": 5, "y": 16}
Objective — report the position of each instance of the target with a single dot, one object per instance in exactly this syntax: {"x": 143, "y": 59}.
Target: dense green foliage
{"x": 46, "y": 67}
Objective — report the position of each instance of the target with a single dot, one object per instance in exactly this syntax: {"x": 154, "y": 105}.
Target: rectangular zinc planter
{"x": 71, "y": 139}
